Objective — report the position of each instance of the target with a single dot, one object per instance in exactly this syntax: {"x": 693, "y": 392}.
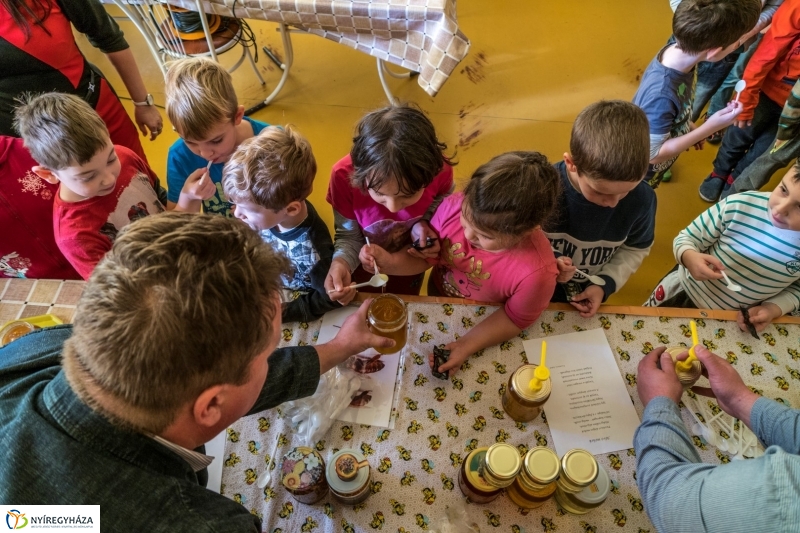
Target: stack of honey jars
{"x": 487, "y": 471}
{"x": 536, "y": 481}
{"x": 583, "y": 485}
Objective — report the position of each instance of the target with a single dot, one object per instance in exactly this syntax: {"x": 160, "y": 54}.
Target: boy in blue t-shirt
{"x": 605, "y": 217}
{"x": 202, "y": 105}
{"x": 704, "y": 30}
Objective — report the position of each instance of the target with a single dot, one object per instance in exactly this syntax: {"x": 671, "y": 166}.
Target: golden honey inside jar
{"x": 519, "y": 401}
{"x": 536, "y": 481}
{"x": 388, "y": 318}
{"x": 15, "y": 330}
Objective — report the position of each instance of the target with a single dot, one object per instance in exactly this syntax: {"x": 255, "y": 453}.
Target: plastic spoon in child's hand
{"x": 206, "y": 173}
{"x": 378, "y": 280}
{"x": 731, "y": 285}
{"x": 597, "y": 280}
{"x": 740, "y": 86}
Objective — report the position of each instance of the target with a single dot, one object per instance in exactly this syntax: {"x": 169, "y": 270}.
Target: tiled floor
{"x": 532, "y": 67}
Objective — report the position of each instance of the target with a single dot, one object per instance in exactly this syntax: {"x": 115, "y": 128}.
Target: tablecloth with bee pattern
{"x": 415, "y": 466}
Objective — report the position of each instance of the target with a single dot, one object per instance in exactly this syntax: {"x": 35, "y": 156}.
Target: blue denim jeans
{"x": 759, "y": 172}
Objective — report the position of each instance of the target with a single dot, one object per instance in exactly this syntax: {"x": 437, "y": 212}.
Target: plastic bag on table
{"x": 455, "y": 520}
{"x": 312, "y": 417}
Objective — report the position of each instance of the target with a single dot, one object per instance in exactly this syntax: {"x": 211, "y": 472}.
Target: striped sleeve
{"x": 702, "y": 233}
{"x": 789, "y": 125}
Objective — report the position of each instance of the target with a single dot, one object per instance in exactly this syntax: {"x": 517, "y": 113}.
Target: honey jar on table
{"x": 388, "y": 317}
{"x": 536, "y": 481}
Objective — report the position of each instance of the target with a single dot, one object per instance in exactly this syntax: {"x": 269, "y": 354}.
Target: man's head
{"x": 203, "y": 107}
{"x": 609, "y": 151}
{"x": 713, "y": 27}
{"x": 70, "y": 142}
{"x": 177, "y": 320}
{"x": 269, "y": 176}
{"x": 784, "y": 201}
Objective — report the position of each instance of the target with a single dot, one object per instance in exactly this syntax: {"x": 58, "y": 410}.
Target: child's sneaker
{"x": 712, "y": 186}
{"x": 667, "y": 176}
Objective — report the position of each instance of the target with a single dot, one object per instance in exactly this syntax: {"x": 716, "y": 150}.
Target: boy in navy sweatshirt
{"x": 605, "y": 220}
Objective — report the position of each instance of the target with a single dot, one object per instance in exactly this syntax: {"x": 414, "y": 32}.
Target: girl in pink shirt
{"x": 492, "y": 249}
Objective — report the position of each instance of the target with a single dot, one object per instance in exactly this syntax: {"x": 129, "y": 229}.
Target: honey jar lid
{"x": 542, "y": 465}
{"x": 579, "y": 467}
{"x": 301, "y": 469}
{"x": 522, "y": 384}
{"x": 597, "y": 492}
{"x": 502, "y": 461}
{"x": 347, "y": 471}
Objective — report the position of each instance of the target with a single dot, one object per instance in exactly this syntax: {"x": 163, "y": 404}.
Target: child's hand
{"x": 421, "y": 231}
{"x": 725, "y": 116}
{"x": 454, "y": 362}
{"x": 338, "y": 281}
{"x": 565, "y": 269}
{"x": 588, "y": 301}
{"x": 371, "y": 254}
{"x": 702, "y": 267}
{"x": 760, "y": 316}
{"x": 198, "y": 185}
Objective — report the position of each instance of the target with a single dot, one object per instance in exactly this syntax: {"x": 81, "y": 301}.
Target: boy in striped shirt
{"x": 755, "y": 238}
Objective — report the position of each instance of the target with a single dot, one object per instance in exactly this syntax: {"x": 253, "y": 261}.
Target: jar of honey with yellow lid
{"x": 536, "y": 481}
{"x": 686, "y": 377}
{"x": 578, "y": 471}
{"x": 387, "y": 317}
{"x": 521, "y": 402}
{"x": 589, "y": 498}
{"x": 501, "y": 465}
{"x": 471, "y": 478}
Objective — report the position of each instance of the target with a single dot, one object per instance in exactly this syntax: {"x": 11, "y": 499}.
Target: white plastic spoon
{"x": 266, "y": 476}
{"x": 597, "y": 280}
{"x": 378, "y": 280}
{"x": 740, "y": 86}
{"x": 731, "y": 285}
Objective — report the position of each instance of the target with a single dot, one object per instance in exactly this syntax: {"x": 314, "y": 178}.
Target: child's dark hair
{"x": 796, "y": 166}
{"x": 511, "y": 194}
{"x": 700, "y": 25}
{"x": 611, "y": 141}
{"x": 396, "y": 143}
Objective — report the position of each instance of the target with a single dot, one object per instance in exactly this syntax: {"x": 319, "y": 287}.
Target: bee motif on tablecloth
{"x": 366, "y": 449}
{"x": 447, "y": 483}
{"x": 647, "y": 347}
{"x": 346, "y": 527}
{"x": 375, "y": 487}
{"x": 461, "y": 409}
{"x": 404, "y": 453}
{"x": 467, "y": 322}
{"x": 347, "y": 433}
{"x": 287, "y": 510}
{"x": 745, "y": 348}
{"x": 233, "y": 436}
{"x": 466, "y": 365}
{"x": 664, "y": 319}
{"x": 440, "y": 394}
{"x": 497, "y": 413}
{"x": 578, "y": 328}
{"x": 455, "y": 459}
{"x": 420, "y": 381}
{"x": 522, "y": 449}
{"x": 524, "y": 335}
{"x": 263, "y": 424}
{"x": 407, "y": 479}
{"x": 479, "y": 353}
{"x": 794, "y": 353}
{"x": 427, "y": 466}
{"x": 638, "y": 324}
{"x": 425, "y": 337}
{"x": 614, "y": 487}
{"x": 636, "y": 503}
{"x": 253, "y": 447}
{"x": 418, "y": 360}
{"x": 414, "y": 427}
{"x": 719, "y": 333}
{"x": 690, "y": 394}
{"x": 700, "y": 443}
{"x": 428, "y": 495}
{"x": 757, "y": 391}
{"x": 480, "y": 423}
{"x": 771, "y": 358}
{"x": 499, "y": 367}
{"x": 457, "y": 383}
{"x": 327, "y": 509}
{"x": 547, "y": 329}
{"x": 631, "y": 379}
{"x": 502, "y": 436}
{"x": 282, "y": 440}
{"x": 723, "y": 434}
{"x": 756, "y": 369}
{"x": 587, "y": 528}
{"x": 625, "y": 356}
{"x": 627, "y": 336}
{"x": 475, "y": 396}
{"x": 686, "y": 331}
{"x": 377, "y": 520}
{"x": 448, "y": 309}
{"x": 723, "y": 458}
{"x": 422, "y": 521}
{"x": 268, "y": 494}
{"x": 480, "y": 311}
{"x": 709, "y": 344}
{"x": 541, "y": 440}
{"x": 501, "y": 390}
{"x": 663, "y": 339}
{"x": 559, "y": 316}
{"x": 769, "y": 338}
{"x": 522, "y": 426}
{"x": 382, "y": 435}
{"x": 715, "y": 410}
{"x": 793, "y": 372}
{"x": 784, "y": 402}
{"x": 232, "y": 460}
{"x": 255, "y": 512}
{"x": 421, "y": 318}
{"x": 732, "y": 358}
{"x": 411, "y": 405}
{"x": 451, "y": 429}
{"x": 524, "y": 357}
{"x": 614, "y": 461}
{"x": 238, "y": 498}
{"x": 434, "y": 442}
{"x": 397, "y": 508}
{"x": 483, "y": 377}
{"x": 619, "y": 517}
{"x": 605, "y": 322}
{"x": 493, "y": 519}
{"x": 782, "y": 331}
{"x": 441, "y": 326}
{"x": 309, "y": 525}
{"x": 548, "y": 525}
{"x": 700, "y": 322}
{"x": 782, "y": 383}
{"x": 506, "y": 346}
{"x": 385, "y": 465}
{"x": 433, "y": 414}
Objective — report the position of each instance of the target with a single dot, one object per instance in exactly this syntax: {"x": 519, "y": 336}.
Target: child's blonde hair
{"x": 60, "y": 130}
{"x": 199, "y": 95}
{"x": 272, "y": 169}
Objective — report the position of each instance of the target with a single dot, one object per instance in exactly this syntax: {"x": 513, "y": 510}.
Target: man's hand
{"x": 148, "y": 118}
{"x": 457, "y": 356}
{"x": 565, "y": 269}
{"x": 656, "y": 377}
{"x": 727, "y": 386}
{"x": 588, "y": 301}
{"x": 338, "y": 280}
{"x": 421, "y": 231}
{"x": 371, "y": 254}
{"x": 354, "y": 337}
{"x": 702, "y": 267}
{"x": 760, "y": 316}
{"x": 198, "y": 186}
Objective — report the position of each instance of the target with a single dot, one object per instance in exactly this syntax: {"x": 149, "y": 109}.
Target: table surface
{"x": 415, "y": 465}
{"x": 420, "y": 35}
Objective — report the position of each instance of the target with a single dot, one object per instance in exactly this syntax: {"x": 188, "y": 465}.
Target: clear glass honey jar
{"x": 501, "y": 465}
{"x": 536, "y": 481}
{"x": 520, "y": 402}
{"x": 471, "y": 478}
{"x": 387, "y": 317}
{"x": 578, "y": 471}
{"x": 589, "y": 498}
{"x": 686, "y": 377}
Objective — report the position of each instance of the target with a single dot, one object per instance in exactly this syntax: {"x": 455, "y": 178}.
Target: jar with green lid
{"x": 501, "y": 465}
{"x": 471, "y": 479}
{"x": 520, "y": 402}
{"x": 303, "y": 475}
{"x": 349, "y": 476}
{"x": 536, "y": 481}
{"x": 578, "y": 471}
{"x": 589, "y": 498}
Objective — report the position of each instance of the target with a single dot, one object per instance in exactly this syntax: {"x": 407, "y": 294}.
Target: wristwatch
{"x": 147, "y": 101}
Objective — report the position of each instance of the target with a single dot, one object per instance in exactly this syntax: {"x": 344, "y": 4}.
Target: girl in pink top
{"x": 492, "y": 249}
{"x": 386, "y": 190}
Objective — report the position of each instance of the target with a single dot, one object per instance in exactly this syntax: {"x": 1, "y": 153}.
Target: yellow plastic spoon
{"x": 686, "y": 365}
{"x": 542, "y": 373}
